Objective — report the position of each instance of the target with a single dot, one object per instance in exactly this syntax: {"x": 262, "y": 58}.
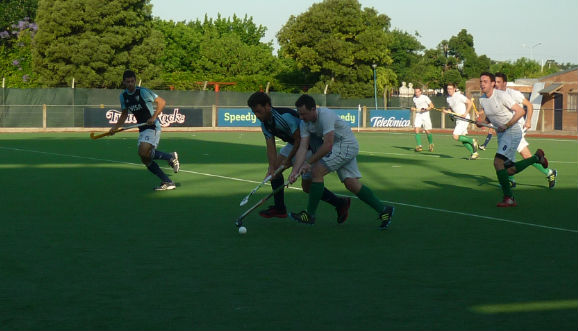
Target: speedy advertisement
{"x": 170, "y": 117}
{"x": 390, "y": 118}
{"x": 244, "y": 117}
{"x": 237, "y": 117}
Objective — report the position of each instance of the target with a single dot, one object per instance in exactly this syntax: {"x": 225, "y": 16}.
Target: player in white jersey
{"x": 461, "y": 106}
{"x": 422, "y": 107}
{"x": 501, "y": 83}
{"x": 499, "y": 109}
{"x": 338, "y": 153}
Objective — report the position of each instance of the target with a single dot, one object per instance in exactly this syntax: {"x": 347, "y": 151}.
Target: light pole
{"x": 532, "y": 50}
{"x": 374, "y": 84}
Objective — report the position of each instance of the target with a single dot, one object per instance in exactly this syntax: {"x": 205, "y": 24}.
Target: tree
{"x": 94, "y": 41}
{"x": 15, "y": 56}
{"x": 13, "y": 11}
{"x": 405, "y": 53}
{"x": 339, "y": 42}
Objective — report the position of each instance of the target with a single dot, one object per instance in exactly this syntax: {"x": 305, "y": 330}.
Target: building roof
{"x": 558, "y": 73}
{"x": 552, "y": 88}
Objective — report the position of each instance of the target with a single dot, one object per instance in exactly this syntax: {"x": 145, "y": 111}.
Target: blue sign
{"x": 390, "y": 118}
{"x": 237, "y": 117}
{"x": 350, "y": 116}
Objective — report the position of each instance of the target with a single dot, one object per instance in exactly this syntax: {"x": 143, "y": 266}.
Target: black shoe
{"x": 303, "y": 217}
{"x": 552, "y": 179}
{"x": 385, "y": 217}
{"x": 343, "y": 210}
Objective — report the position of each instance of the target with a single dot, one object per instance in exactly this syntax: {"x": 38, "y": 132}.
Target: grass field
{"x": 86, "y": 244}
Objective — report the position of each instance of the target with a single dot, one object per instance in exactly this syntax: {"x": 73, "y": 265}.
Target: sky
{"x": 503, "y": 30}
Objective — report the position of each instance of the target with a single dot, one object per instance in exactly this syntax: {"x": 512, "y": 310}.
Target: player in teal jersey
{"x": 140, "y": 102}
{"x": 283, "y": 123}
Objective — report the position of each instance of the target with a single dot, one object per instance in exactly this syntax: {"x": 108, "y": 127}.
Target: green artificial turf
{"x": 86, "y": 244}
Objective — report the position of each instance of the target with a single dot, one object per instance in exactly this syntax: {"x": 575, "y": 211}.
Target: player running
{"x": 284, "y": 123}
{"x": 461, "y": 106}
{"x": 139, "y": 101}
{"x": 501, "y": 84}
{"x": 422, "y": 107}
{"x": 337, "y": 153}
{"x": 504, "y": 113}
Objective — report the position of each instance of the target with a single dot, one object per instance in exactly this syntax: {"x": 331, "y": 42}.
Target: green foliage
{"x": 15, "y": 57}
{"x": 12, "y": 11}
{"x": 94, "y": 42}
{"x": 524, "y": 68}
{"x": 340, "y": 41}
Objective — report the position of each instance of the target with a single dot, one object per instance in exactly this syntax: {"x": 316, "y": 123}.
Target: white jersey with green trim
{"x": 498, "y": 107}
{"x": 327, "y": 121}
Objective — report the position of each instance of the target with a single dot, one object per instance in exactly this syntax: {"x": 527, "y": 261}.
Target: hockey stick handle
{"x": 268, "y": 178}
{"x": 104, "y": 134}
{"x": 472, "y": 121}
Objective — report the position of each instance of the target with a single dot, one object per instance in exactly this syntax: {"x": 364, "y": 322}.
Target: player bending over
{"x": 338, "y": 153}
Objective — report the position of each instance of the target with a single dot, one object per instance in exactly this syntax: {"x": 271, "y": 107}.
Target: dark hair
{"x": 128, "y": 74}
{"x": 307, "y": 101}
{"x": 489, "y": 74}
{"x": 451, "y": 84}
{"x": 502, "y": 76}
{"x": 258, "y": 98}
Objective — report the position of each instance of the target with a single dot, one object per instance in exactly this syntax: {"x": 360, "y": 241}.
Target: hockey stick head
{"x": 98, "y": 136}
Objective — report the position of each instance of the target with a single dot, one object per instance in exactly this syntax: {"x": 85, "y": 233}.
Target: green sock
{"x": 466, "y": 139}
{"x": 545, "y": 171}
{"x": 467, "y": 142}
{"x": 315, "y": 193}
{"x": 504, "y": 182}
{"x": 430, "y": 138}
{"x": 418, "y": 139}
{"x": 366, "y": 195}
{"x": 468, "y": 147}
{"x": 523, "y": 164}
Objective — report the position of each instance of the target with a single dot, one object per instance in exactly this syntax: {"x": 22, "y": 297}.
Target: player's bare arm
{"x": 121, "y": 120}
{"x": 271, "y": 155}
{"x": 299, "y": 159}
{"x": 529, "y": 112}
{"x": 159, "y": 109}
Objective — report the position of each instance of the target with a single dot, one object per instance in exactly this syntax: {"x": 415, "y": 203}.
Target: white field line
{"x": 295, "y": 188}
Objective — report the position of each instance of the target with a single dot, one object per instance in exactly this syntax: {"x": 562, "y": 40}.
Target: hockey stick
{"x": 268, "y": 178}
{"x": 475, "y": 108}
{"x": 445, "y": 111}
{"x": 457, "y": 117}
{"x": 239, "y": 221}
{"x": 108, "y": 133}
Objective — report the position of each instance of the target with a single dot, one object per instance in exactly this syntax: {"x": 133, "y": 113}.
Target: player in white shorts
{"x": 338, "y": 153}
{"x": 499, "y": 109}
{"x": 141, "y": 102}
{"x": 461, "y": 106}
{"x": 283, "y": 123}
{"x": 551, "y": 174}
{"x": 422, "y": 107}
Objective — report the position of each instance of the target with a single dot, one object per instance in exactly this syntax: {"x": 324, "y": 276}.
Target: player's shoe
{"x": 343, "y": 210}
{"x": 303, "y": 217}
{"x": 541, "y": 158}
{"x": 385, "y": 217}
{"x": 482, "y": 147}
{"x": 475, "y": 145}
{"x": 507, "y": 202}
{"x": 174, "y": 162}
{"x": 166, "y": 186}
{"x": 272, "y": 211}
{"x": 552, "y": 179}
{"x": 418, "y": 148}
{"x": 431, "y": 147}
{"x": 474, "y": 156}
